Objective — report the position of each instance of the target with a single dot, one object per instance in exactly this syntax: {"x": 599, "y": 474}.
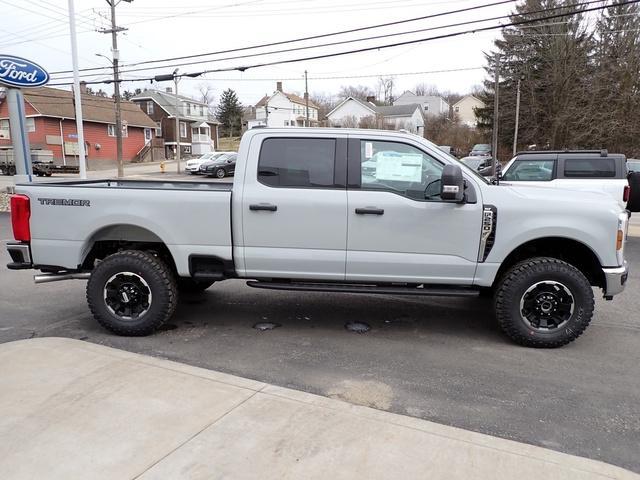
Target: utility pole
{"x": 266, "y": 112}
{"x": 306, "y": 97}
{"x": 494, "y": 143}
{"x": 515, "y": 132}
{"x": 175, "y": 81}
{"x": 82, "y": 164}
{"x": 116, "y": 79}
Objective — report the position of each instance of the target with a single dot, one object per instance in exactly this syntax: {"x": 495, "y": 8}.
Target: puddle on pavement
{"x": 263, "y": 326}
{"x": 357, "y": 327}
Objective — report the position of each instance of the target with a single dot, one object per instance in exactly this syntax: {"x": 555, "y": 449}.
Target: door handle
{"x": 370, "y": 211}
{"x": 263, "y": 206}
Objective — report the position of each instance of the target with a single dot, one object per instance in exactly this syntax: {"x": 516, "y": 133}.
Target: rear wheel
{"x": 544, "y": 302}
{"x": 132, "y": 293}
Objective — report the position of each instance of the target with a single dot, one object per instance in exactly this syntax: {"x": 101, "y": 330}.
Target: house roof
{"x": 167, "y": 101}
{"x": 52, "y": 102}
{"x": 291, "y": 96}
{"x": 468, "y": 96}
{"x": 367, "y": 105}
{"x": 421, "y": 98}
{"x": 398, "y": 110}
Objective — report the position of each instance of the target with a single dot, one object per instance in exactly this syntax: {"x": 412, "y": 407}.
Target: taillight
{"x": 20, "y": 215}
{"x": 626, "y": 193}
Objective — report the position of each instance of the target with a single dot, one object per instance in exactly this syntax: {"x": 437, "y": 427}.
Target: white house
{"x": 284, "y": 110}
{"x": 352, "y": 112}
{"x": 431, "y": 104}
{"x": 465, "y": 109}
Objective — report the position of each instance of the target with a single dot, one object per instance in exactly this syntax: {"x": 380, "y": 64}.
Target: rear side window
{"x": 530, "y": 171}
{"x": 589, "y": 168}
{"x": 297, "y": 162}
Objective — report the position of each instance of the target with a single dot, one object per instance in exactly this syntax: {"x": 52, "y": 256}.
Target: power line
{"x": 378, "y": 47}
{"x": 312, "y": 37}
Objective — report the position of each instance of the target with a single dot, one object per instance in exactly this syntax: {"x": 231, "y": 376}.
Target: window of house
{"x": 183, "y": 130}
{"x": 202, "y": 110}
{"x": 589, "y": 167}
{"x": 30, "y": 124}
{"x": 399, "y": 168}
{"x": 150, "y": 107}
{"x": 148, "y": 134}
{"x": 297, "y": 162}
{"x": 426, "y": 107}
{"x": 457, "y": 109}
{"x": 158, "y": 129}
{"x": 111, "y": 130}
{"x": 4, "y": 129}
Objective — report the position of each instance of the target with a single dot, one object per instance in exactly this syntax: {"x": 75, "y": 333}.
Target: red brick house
{"x": 51, "y": 125}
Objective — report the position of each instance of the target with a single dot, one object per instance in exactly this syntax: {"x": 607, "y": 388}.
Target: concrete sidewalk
{"x": 71, "y": 409}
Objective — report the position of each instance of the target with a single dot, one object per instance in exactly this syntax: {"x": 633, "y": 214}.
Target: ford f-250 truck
{"x": 303, "y": 214}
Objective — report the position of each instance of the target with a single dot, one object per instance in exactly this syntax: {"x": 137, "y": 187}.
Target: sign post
{"x": 17, "y": 73}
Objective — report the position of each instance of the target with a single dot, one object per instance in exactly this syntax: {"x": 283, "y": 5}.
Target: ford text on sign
{"x": 22, "y": 73}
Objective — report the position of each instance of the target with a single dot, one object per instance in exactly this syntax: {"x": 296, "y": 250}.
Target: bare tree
{"x": 361, "y": 92}
{"x": 385, "y": 90}
{"x": 207, "y": 96}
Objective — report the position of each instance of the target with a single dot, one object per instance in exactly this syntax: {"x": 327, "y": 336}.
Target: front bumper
{"x": 20, "y": 254}
{"x": 190, "y": 168}
{"x": 615, "y": 280}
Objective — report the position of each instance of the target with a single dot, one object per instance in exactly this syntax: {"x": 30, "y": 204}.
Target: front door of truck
{"x": 398, "y": 228}
{"x": 294, "y": 211}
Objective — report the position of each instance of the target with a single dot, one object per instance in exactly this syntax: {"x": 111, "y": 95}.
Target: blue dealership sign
{"x": 21, "y": 73}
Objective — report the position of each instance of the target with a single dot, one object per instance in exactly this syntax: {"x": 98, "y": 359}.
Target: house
{"x": 50, "y": 121}
{"x": 431, "y": 104}
{"x": 353, "y": 112}
{"x": 198, "y": 129}
{"x": 465, "y": 109}
{"x": 283, "y": 109}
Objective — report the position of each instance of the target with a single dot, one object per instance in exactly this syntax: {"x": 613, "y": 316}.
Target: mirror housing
{"x": 452, "y": 184}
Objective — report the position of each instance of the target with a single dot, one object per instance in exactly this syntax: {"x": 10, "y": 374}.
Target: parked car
{"x": 476, "y": 162}
{"x": 302, "y": 216}
{"x": 193, "y": 166}
{"x": 220, "y": 166}
{"x": 596, "y": 170}
{"x": 482, "y": 149}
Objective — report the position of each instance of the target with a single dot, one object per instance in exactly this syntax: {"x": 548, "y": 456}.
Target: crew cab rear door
{"x": 294, "y": 207}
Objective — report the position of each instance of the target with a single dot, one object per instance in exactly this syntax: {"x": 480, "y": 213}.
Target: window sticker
{"x": 403, "y": 167}
{"x": 368, "y": 150}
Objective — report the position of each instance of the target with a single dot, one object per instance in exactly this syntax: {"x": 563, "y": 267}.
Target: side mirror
{"x": 452, "y": 184}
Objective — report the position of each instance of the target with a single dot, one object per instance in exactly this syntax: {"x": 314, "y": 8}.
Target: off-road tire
{"x": 512, "y": 287}
{"x": 161, "y": 282}
{"x": 189, "y": 285}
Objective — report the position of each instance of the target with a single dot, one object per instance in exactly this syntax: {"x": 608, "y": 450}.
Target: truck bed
{"x": 68, "y": 217}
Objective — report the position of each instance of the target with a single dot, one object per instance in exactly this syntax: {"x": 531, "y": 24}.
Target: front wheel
{"x": 544, "y": 302}
{"x": 220, "y": 173}
{"x": 132, "y": 293}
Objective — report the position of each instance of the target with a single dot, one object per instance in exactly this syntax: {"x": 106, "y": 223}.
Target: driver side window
{"x": 399, "y": 168}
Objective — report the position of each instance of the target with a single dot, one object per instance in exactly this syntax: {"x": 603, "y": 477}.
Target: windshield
{"x": 482, "y": 147}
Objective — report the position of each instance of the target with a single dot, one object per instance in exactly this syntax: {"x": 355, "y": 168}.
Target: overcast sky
{"x": 39, "y": 31}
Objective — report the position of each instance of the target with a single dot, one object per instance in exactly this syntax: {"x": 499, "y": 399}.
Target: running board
{"x": 441, "y": 291}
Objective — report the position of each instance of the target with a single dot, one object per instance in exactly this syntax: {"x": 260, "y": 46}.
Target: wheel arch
{"x": 110, "y": 239}
{"x": 569, "y": 250}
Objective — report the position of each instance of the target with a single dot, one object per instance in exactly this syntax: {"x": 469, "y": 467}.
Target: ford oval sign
{"x": 21, "y": 73}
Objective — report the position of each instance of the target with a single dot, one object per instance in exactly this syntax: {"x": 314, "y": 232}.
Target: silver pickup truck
{"x": 340, "y": 210}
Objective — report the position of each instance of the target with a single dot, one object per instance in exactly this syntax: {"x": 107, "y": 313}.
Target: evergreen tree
{"x": 551, "y": 58}
{"x": 229, "y": 111}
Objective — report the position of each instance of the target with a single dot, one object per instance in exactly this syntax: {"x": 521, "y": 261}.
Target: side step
{"x": 441, "y": 291}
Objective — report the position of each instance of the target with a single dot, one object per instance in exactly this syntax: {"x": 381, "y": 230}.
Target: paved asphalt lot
{"x": 439, "y": 359}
